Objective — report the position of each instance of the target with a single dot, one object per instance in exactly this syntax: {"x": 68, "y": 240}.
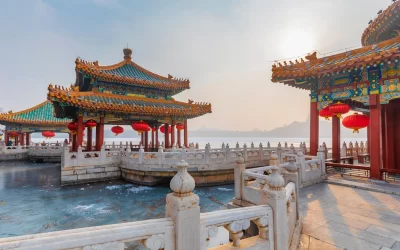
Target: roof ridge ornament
{"x": 127, "y": 54}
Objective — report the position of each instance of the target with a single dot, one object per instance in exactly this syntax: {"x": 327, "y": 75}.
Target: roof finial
{"x": 127, "y": 53}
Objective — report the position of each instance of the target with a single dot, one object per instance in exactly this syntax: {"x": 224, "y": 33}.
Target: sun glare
{"x": 297, "y": 43}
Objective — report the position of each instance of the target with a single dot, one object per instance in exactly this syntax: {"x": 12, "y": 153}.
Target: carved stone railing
{"x": 50, "y": 150}
{"x": 215, "y": 228}
{"x": 92, "y": 158}
{"x": 280, "y": 191}
{"x": 13, "y": 149}
{"x": 185, "y": 227}
{"x": 350, "y": 149}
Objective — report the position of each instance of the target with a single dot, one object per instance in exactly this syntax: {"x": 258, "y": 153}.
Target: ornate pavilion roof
{"x": 41, "y": 114}
{"x": 128, "y": 72}
{"x": 385, "y": 26}
{"x": 298, "y": 74}
{"x": 133, "y": 105}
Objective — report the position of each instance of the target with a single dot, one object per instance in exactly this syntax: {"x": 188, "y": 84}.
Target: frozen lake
{"x": 32, "y": 201}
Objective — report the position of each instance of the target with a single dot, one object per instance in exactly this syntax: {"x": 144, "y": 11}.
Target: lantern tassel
{"x": 356, "y": 131}
{"x": 327, "y": 119}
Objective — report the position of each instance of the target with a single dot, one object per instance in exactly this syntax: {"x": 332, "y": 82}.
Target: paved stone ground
{"x": 338, "y": 217}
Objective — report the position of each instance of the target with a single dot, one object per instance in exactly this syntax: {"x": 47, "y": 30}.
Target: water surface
{"x": 32, "y": 200}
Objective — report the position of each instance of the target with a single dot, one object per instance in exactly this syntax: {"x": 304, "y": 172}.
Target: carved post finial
{"x": 182, "y": 183}
{"x": 276, "y": 181}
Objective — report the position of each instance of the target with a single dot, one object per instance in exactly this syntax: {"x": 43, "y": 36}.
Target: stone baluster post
{"x": 227, "y": 153}
{"x": 344, "y": 150}
{"x": 292, "y": 175}
{"x": 81, "y": 156}
{"x": 268, "y": 145}
{"x": 291, "y": 149}
{"x": 126, "y": 145}
{"x": 160, "y": 155}
{"x": 279, "y": 152}
{"x": 362, "y": 148}
{"x": 65, "y": 156}
{"x": 141, "y": 154}
{"x": 276, "y": 197}
{"x": 326, "y": 150}
{"x": 321, "y": 156}
{"x": 300, "y": 158}
{"x": 245, "y": 156}
{"x": 286, "y": 145}
{"x": 356, "y": 148}
{"x": 197, "y": 145}
{"x": 183, "y": 207}
{"x": 102, "y": 153}
{"x": 113, "y": 146}
{"x": 252, "y": 145}
{"x": 350, "y": 149}
{"x": 183, "y": 153}
{"x": 261, "y": 152}
{"x": 207, "y": 154}
{"x": 366, "y": 147}
{"x": 223, "y": 146}
{"x": 120, "y": 146}
{"x": 237, "y": 145}
{"x": 240, "y": 167}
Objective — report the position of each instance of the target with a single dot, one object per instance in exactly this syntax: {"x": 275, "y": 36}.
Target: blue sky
{"x": 225, "y": 48}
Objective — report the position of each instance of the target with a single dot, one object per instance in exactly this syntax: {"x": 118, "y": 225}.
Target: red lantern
{"x": 91, "y": 124}
{"x": 162, "y": 129}
{"x": 179, "y": 127}
{"x": 356, "y": 122}
{"x": 73, "y": 126}
{"x": 13, "y": 134}
{"x": 339, "y": 109}
{"x": 48, "y": 134}
{"x": 117, "y": 130}
{"x": 325, "y": 113}
{"x": 140, "y": 127}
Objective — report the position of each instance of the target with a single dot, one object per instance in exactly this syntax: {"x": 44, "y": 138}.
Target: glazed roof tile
{"x": 41, "y": 114}
{"x": 384, "y": 26}
{"x": 128, "y": 72}
{"x": 127, "y": 104}
{"x": 368, "y": 55}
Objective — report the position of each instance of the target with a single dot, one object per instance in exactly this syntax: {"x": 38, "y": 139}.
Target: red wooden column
{"x": 28, "y": 139}
{"x": 185, "y": 134}
{"x": 100, "y": 134}
{"x": 179, "y": 138}
{"x": 375, "y": 142}
{"x": 16, "y": 140}
{"x": 146, "y": 141}
{"x": 173, "y": 134}
{"x": 369, "y": 137}
{"x": 152, "y": 137}
{"x": 166, "y": 133}
{"x": 157, "y": 143}
{"x": 22, "y": 139}
{"x": 74, "y": 143}
{"x": 336, "y": 139}
{"x": 142, "y": 138}
{"x": 89, "y": 139}
{"x": 314, "y": 128}
{"x": 388, "y": 136}
{"x": 79, "y": 131}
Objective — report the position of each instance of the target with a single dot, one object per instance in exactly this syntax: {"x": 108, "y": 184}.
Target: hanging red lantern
{"x": 13, "y": 134}
{"x": 140, "y": 127}
{"x": 325, "y": 113}
{"x": 48, "y": 134}
{"x": 179, "y": 127}
{"x": 73, "y": 126}
{"x": 356, "y": 122}
{"x": 162, "y": 129}
{"x": 117, "y": 130}
{"x": 339, "y": 109}
{"x": 91, "y": 124}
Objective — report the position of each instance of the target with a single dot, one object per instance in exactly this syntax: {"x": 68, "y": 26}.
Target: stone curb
{"x": 364, "y": 186}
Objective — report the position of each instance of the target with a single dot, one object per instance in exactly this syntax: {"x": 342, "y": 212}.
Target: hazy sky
{"x": 225, "y": 48}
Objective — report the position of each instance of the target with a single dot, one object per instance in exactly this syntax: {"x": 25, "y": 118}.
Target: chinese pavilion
{"x": 40, "y": 118}
{"x": 364, "y": 79}
{"x": 125, "y": 94}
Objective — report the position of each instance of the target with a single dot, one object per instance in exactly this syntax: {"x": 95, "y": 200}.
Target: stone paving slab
{"x": 389, "y": 188}
{"x": 340, "y": 217}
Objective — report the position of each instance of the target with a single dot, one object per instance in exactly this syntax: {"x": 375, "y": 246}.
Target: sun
{"x": 296, "y": 43}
